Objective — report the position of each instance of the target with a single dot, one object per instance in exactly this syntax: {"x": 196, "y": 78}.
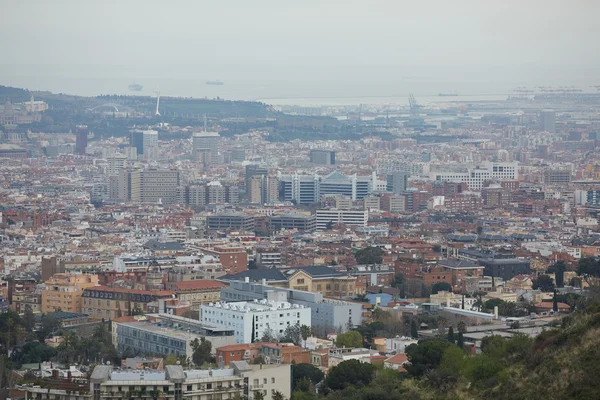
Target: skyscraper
{"x": 207, "y": 140}
{"x": 81, "y": 139}
{"x": 322, "y": 157}
{"x": 397, "y": 182}
{"x": 548, "y": 121}
{"x": 143, "y": 141}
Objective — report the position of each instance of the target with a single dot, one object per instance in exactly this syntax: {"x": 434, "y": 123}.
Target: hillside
{"x": 561, "y": 363}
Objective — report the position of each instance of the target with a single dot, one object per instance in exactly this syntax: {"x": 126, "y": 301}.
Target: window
{"x": 299, "y": 281}
{"x": 272, "y": 380}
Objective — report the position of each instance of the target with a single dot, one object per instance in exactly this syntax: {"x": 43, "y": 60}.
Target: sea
{"x": 281, "y": 86}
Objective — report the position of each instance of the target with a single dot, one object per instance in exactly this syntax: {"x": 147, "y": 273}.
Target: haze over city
{"x": 274, "y": 49}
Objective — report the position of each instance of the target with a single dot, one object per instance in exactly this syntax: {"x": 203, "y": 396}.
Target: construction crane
{"x": 414, "y": 106}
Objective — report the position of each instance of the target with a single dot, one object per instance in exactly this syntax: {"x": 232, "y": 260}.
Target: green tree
{"x": 350, "y": 339}
{"x": 554, "y": 303}
{"x": 258, "y": 395}
{"x": 589, "y": 269}
{"x": 369, "y": 255}
{"x": 268, "y": 336}
{"x": 558, "y": 270}
{"x": 50, "y": 326}
{"x": 292, "y": 334}
{"x": 28, "y": 319}
{"x": 543, "y": 283}
{"x": 437, "y": 248}
{"x": 398, "y": 281}
{"x": 414, "y": 332}
{"x": 201, "y": 351}
{"x": 425, "y": 356}
{"x": 494, "y": 346}
{"x": 350, "y": 372}
{"x": 451, "y": 338}
{"x": 305, "y": 371}
{"x": 277, "y": 395}
{"x": 68, "y": 349}
{"x": 305, "y": 332}
{"x": 460, "y": 341}
{"x": 440, "y": 286}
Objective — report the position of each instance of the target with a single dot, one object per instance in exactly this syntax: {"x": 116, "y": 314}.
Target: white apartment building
{"x": 475, "y": 177}
{"x": 334, "y": 216}
{"x": 250, "y": 320}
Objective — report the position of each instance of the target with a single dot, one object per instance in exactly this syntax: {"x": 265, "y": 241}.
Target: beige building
{"x": 110, "y": 303}
{"x": 63, "y": 292}
{"x": 328, "y": 284}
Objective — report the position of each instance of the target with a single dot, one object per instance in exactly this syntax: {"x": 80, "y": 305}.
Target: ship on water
{"x": 447, "y": 94}
{"x": 215, "y": 83}
{"x": 135, "y": 87}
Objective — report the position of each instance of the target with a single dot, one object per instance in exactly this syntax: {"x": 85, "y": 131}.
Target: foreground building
{"x": 240, "y": 381}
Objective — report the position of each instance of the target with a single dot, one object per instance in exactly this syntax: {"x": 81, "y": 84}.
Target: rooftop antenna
{"x": 157, "y": 103}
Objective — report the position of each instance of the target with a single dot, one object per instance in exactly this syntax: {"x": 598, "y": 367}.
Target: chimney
{"x": 247, "y": 279}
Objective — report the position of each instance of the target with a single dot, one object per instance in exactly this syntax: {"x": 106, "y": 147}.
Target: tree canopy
{"x": 369, "y": 255}
{"x": 543, "y": 283}
{"x": 350, "y": 372}
{"x": 351, "y": 338}
{"x": 441, "y": 286}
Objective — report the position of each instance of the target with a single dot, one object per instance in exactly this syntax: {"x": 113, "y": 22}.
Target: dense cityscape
{"x": 423, "y": 246}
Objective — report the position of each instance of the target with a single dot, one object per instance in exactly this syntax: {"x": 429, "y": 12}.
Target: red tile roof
{"x": 132, "y": 291}
{"x": 397, "y": 359}
{"x": 196, "y": 285}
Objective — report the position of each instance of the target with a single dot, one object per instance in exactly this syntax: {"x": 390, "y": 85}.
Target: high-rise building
{"x": 397, "y": 182}
{"x": 322, "y": 157}
{"x": 548, "y": 121}
{"x": 150, "y": 140}
{"x": 81, "y": 139}
{"x": 137, "y": 141}
{"x": 51, "y": 266}
{"x": 254, "y": 170}
{"x": 216, "y": 193}
{"x": 115, "y": 164}
{"x": 254, "y": 189}
{"x": 270, "y": 189}
{"x": 207, "y": 140}
{"x": 238, "y": 154}
{"x": 149, "y": 186}
{"x": 143, "y": 141}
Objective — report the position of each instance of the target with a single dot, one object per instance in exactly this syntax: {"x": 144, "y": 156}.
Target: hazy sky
{"x": 303, "y": 37}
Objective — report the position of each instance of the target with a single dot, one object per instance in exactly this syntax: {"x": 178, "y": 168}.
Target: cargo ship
{"x": 215, "y": 83}
{"x": 447, "y": 94}
{"x": 135, "y": 87}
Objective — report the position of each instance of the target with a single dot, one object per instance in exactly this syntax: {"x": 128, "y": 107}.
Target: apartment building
{"x": 314, "y": 278}
{"x": 197, "y": 292}
{"x": 63, "y": 292}
{"x": 251, "y": 320}
{"x": 164, "y": 337}
{"x": 241, "y": 380}
{"x": 330, "y": 314}
{"x": 110, "y": 303}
